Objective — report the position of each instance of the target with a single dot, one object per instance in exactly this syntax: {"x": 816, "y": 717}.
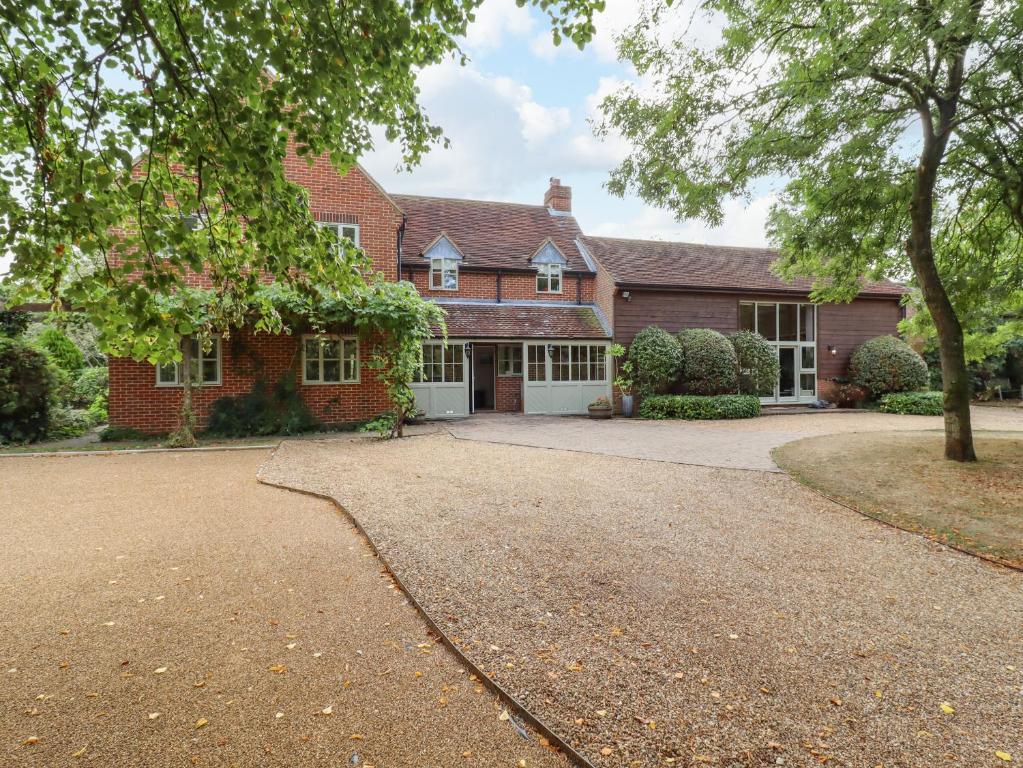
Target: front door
{"x": 483, "y": 377}
{"x": 788, "y": 374}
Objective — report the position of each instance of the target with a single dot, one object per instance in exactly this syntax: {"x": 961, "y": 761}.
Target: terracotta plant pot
{"x": 599, "y": 412}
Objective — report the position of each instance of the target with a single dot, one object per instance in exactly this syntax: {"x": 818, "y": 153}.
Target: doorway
{"x": 484, "y": 381}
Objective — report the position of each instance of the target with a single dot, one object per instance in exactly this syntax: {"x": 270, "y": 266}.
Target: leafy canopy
{"x": 837, "y": 97}
{"x": 143, "y": 140}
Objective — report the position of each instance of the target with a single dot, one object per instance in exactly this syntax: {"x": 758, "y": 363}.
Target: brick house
{"x": 531, "y": 302}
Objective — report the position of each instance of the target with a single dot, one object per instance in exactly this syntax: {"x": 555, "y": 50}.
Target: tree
{"x": 888, "y": 119}
{"x": 144, "y": 141}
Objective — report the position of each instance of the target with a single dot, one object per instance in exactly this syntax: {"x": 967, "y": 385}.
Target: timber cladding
{"x": 842, "y": 326}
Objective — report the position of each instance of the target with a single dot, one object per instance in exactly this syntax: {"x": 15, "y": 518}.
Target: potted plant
{"x": 624, "y": 378}
{"x": 600, "y": 408}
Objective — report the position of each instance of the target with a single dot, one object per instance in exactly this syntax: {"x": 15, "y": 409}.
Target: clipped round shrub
{"x": 658, "y": 360}
{"x": 708, "y": 362}
{"x": 886, "y": 364}
{"x": 61, "y": 350}
{"x": 26, "y": 390}
{"x": 914, "y": 403}
{"x": 90, "y": 384}
{"x": 757, "y": 363}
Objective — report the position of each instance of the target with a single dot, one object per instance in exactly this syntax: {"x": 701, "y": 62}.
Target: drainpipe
{"x": 401, "y": 237}
{"x": 498, "y": 286}
{"x": 578, "y": 289}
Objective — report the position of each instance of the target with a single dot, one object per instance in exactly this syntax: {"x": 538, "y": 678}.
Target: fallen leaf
{"x": 279, "y": 715}
{"x": 607, "y": 751}
{"x": 277, "y": 669}
{"x": 202, "y": 722}
{"x": 159, "y": 670}
{"x": 154, "y": 715}
{"x": 291, "y": 646}
{"x": 1003, "y": 756}
{"x": 947, "y": 708}
{"x": 35, "y": 740}
{"x": 79, "y": 753}
{"x": 356, "y": 737}
{"x": 467, "y": 753}
{"x": 198, "y": 683}
{"x": 602, "y": 712}
{"x": 327, "y": 711}
{"x": 504, "y": 715}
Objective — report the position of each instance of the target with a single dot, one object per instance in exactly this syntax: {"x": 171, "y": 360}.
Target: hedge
{"x": 26, "y": 391}
{"x": 914, "y": 403}
{"x": 708, "y": 362}
{"x": 886, "y": 364}
{"x": 757, "y": 362}
{"x": 699, "y": 407}
{"x": 658, "y": 360}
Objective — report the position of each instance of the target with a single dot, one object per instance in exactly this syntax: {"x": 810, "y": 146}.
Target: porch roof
{"x": 523, "y": 320}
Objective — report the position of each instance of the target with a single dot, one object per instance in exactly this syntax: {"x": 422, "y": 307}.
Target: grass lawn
{"x": 903, "y": 479}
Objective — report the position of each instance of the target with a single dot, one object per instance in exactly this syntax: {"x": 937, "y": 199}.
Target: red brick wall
{"x": 515, "y": 286}
{"x": 136, "y": 401}
{"x": 508, "y": 396}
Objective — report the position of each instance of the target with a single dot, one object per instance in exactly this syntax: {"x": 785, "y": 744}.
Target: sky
{"x": 519, "y": 113}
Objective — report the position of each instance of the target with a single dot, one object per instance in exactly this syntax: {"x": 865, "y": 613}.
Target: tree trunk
{"x": 185, "y": 434}
{"x": 955, "y": 380}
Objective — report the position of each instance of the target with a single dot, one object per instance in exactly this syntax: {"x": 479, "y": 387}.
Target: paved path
{"x": 167, "y": 610}
{"x": 738, "y": 444}
{"x": 650, "y": 612}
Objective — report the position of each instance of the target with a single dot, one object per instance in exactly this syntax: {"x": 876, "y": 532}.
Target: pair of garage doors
{"x": 556, "y": 377}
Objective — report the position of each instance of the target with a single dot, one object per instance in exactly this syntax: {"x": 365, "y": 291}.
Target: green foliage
{"x": 109, "y": 113}
{"x": 261, "y": 412}
{"x": 657, "y": 356}
{"x": 122, "y": 434}
{"x": 26, "y": 391}
{"x": 97, "y": 409}
{"x": 887, "y": 364}
{"x": 699, "y": 407}
{"x": 625, "y": 369}
{"x": 757, "y": 363}
{"x": 383, "y": 424}
{"x": 915, "y": 403}
{"x": 601, "y": 402}
{"x": 67, "y": 422}
{"x": 708, "y": 362}
{"x": 13, "y": 324}
{"x": 90, "y": 384}
{"x": 61, "y": 350}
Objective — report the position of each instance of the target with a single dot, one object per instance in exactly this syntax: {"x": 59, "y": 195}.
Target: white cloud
{"x": 744, "y": 225}
{"x": 496, "y": 19}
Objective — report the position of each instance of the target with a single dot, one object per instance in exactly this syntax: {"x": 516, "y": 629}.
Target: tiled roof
{"x": 486, "y": 320}
{"x": 488, "y": 234}
{"x": 715, "y": 267}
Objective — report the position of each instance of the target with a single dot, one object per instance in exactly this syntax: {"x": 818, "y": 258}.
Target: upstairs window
{"x": 443, "y": 274}
{"x": 343, "y": 231}
{"x": 205, "y": 367}
{"x": 548, "y": 278}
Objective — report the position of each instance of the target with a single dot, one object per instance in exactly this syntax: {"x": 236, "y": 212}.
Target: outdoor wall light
{"x": 550, "y": 350}
{"x": 832, "y": 350}
{"x": 627, "y": 295}
{"x": 467, "y": 348}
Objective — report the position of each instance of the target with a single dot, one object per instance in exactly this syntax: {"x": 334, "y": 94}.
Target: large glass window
{"x": 807, "y": 322}
{"x": 787, "y": 321}
{"x": 767, "y": 321}
{"x": 747, "y": 316}
{"x": 578, "y": 362}
{"x": 205, "y": 367}
{"x": 509, "y": 360}
{"x": 792, "y": 330}
{"x": 329, "y": 360}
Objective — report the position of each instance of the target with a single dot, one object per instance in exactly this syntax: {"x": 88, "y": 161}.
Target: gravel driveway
{"x": 738, "y": 444}
{"x": 167, "y": 610}
{"x": 658, "y": 614}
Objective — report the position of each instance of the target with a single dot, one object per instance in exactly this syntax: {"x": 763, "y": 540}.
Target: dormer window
{"x": 444, "y": 257}
{"x": 549, "y": 262}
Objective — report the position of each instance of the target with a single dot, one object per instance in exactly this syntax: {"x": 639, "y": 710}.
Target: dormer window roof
{"x": 442, "y": 248}
{"x": 548, "y": 253}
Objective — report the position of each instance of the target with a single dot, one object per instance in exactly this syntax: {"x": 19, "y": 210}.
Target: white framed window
{"x": 330, "y": 359}
{"x": 443, "y": 275}
{"x": 509, "y": 360}
{"x": 343, "y": 231}
{"x": 442, "y": 363}
{"x": 578, "y": 362}
{"x": 548, "y": 278}
{"x": 791, "y": 328}
{"x": 205, "y": 367}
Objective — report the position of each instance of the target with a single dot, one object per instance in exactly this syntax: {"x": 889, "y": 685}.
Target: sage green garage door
{"x": 564, "y": 378}
{"x": 442, "y": 391}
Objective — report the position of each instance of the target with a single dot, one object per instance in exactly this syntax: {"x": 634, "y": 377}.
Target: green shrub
{"x": 382, "y": 424}
{"x": 61, "y": 350}
{"x": 98, "y": 409}
{"x": 886, "y": 364}
{"x": 13, "y": 324}
{"x": 915, "y": 403}
{"x": 757, "y": 363}
{"x": 260, "y": 412}
{"x": 658, "y": 360}
{"x": 90, "y": 384}
{"x": 67, "y": 422}
{"x": 708, "y": 362}
{"x": 699, "y": 407}
{"x": 26, "y": 391}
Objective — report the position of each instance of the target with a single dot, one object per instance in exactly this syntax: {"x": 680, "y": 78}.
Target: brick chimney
{"x": 558, "y": 197}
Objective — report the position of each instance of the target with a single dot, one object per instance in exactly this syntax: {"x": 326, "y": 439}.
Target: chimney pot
{"x": 558, "y": 197}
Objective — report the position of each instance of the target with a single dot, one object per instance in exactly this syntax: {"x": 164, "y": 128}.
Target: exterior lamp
{"x": 833, "y": 350}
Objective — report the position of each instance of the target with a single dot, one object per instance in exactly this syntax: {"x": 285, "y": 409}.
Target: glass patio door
{"x": 787, "y": 374}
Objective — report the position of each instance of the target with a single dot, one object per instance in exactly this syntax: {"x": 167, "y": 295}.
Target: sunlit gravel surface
{"x": 661, "y": 614}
